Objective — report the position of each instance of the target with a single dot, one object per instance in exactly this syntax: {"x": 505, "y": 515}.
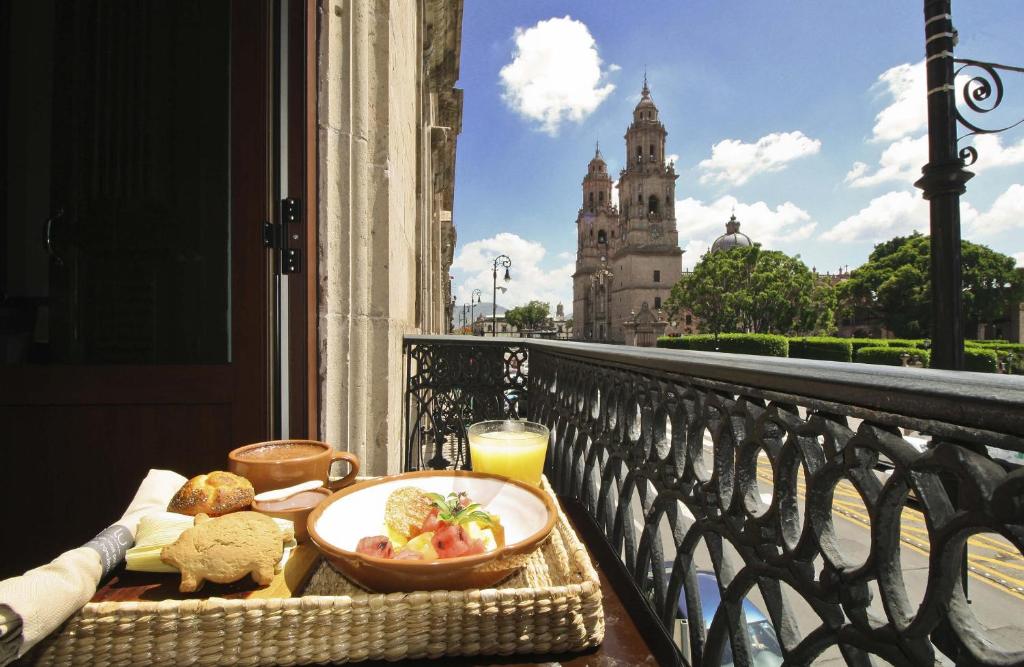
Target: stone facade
{"x": 626, "y": 255}
{"x": 388, "y": 117}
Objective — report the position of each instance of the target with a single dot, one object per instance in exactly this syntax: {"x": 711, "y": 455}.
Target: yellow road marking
{"x": 856, "y": 513}
{"x": 1004, "y": 563}
{"x": 994, "y": 584}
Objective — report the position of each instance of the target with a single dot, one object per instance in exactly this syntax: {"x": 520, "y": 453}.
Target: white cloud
{"x": 615, "y": 194}
{"x": 555, "y": 74}
{"x": 908, "y": 111}
{"x": 672, "y": 157}
{"x": 735, "y": 162}
{"x": 1019, "y": 256}
{"x": 892, "y": 214}
{"x": 900, "y": 161}
{"x": 692, "y": 253}
{"x": 1005, "y": 215}
{"x": 775, "y": 227}
{"x": 992, "y": 153}
{"x": 475, "y": 260}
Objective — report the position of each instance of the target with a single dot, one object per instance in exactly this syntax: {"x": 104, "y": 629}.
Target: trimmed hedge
{"x": 1003, "y": 351}
{"x": 674, "y": 342}
{"x": 983, "y": 356}
{"x": 890, "y": 356}
{"x": 763, "y": 344}
{"x": 857, "y": 343}
{"x": 821, "y": 347}
{"x": 980, "y": 360}
{"x": 906, "y": 342}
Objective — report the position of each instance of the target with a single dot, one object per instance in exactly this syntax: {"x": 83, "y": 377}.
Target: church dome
{"x": 732, "y": 238}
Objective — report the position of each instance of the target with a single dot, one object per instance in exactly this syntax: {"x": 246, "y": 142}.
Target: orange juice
{"x": 516, "y": 453}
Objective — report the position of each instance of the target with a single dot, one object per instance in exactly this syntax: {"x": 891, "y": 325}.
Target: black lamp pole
{"x": 944, "y": 179}
{"x": 500, "y": 260}
{"x": 476, "y": 297}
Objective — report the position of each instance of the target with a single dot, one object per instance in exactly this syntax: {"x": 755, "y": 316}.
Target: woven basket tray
{"x": 552, "y": 605}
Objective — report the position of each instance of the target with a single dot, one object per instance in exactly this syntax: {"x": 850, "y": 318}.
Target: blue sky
{"x": 806, "y": 116}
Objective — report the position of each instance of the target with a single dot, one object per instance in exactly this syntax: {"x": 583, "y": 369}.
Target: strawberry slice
{"x": 376, "y": 545}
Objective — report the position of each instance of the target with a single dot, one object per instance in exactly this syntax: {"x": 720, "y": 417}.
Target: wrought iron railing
{"x": 678, "y": 454}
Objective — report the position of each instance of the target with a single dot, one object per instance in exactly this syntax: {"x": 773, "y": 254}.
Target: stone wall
{"x": 387, "y": 69}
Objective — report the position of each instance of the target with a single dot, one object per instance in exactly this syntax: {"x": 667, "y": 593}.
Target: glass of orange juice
{"x": 512, "y": 448}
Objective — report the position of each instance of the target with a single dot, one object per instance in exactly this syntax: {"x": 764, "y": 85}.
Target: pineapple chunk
{"x": 398, "y": 540}
{"x": 421, "y": 544}
{"x": 475, "y": 531}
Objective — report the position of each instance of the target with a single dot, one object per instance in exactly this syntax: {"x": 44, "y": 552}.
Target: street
{"x": 996, "y": 568}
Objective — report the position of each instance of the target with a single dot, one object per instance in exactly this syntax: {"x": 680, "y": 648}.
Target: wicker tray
{"x": 552, "y": 605}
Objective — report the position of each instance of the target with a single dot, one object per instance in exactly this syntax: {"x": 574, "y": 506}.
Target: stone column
{"x": 377, "y": 243}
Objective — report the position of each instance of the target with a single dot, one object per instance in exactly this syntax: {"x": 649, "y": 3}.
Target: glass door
{"x": 137, "y": 159}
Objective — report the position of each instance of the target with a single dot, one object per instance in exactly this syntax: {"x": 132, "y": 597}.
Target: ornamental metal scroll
{"x": 650, "y": 453}
{"x": 982, "y": 93}
{"x": 452, "y": 385}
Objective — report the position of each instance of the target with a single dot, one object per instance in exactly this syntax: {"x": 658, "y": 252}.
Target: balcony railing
{"x": 742, "y": 466}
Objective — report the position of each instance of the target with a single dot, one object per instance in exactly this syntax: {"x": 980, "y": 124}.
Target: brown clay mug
{"x": 279, "y": 463}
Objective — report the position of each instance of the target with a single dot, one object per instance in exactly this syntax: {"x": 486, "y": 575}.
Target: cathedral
{"x": 627, "y": 256}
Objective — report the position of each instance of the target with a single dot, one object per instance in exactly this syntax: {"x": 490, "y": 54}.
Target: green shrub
{"x": 980, "y": 360}
{"x": 987, "y": 342}
{"x": 736, "y": 343}
{"x": 821, "y": 347}
{"x": 1003, "y": 352}
{"x": 857, "y": 343}
{"x": 673, "y": 342}
{"x": 890, "y": 356}
{"x": 906, "y": 342}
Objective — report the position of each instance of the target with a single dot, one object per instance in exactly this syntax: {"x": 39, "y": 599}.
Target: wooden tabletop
{"x": 629, "y": 638}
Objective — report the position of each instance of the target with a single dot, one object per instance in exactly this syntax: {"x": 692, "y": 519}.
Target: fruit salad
{"x": 425, "y": 526}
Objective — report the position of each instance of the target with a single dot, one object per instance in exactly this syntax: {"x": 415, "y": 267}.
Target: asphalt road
{"x": 995, "y": 581}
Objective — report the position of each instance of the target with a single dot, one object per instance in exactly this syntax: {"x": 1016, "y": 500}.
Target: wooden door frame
{"x": 303, "y": 357}
{"x": 250, "y": 163}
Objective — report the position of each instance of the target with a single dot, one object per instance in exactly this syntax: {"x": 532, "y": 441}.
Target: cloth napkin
{"x": 35, "y": 604}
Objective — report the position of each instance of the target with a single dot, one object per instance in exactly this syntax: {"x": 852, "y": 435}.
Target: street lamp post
{"x": 944, "y": 178}
{"x": 505, "y": 261}
{"x": 474, "y": 298}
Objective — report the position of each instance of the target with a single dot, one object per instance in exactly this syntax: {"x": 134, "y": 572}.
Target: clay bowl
{"x": 336, "y": 526}
{"x": 297, "y": 515}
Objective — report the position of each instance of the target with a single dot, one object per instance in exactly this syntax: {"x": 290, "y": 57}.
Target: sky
{"x": 807, "y": 118}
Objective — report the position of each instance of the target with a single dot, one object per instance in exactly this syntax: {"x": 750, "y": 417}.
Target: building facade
{"x": 389, "y": 115}
{"x": 629, "y": 254}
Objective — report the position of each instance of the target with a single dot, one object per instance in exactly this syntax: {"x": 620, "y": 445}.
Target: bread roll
{"x": 213, "y": 494}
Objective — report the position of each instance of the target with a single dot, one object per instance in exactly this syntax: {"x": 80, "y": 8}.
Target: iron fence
{"x": 739, "y": 458}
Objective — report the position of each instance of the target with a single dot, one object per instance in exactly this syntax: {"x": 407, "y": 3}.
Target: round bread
{"x": 215, "y": 494}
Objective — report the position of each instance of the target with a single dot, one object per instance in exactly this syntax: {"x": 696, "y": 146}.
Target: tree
{"x": 529, "y": 316}
{"x": 894, "y": 285}
{"x": 748, "y": 289}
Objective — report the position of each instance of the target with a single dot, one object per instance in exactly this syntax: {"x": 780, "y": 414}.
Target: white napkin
{"x": 36, "y": 603}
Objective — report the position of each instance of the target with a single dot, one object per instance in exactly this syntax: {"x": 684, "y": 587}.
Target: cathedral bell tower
{"x": 597, "y": 184}
{"x": 647, "y": 185}
{"x": 596, "y": 228}
{"x": 627, "y": 256}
